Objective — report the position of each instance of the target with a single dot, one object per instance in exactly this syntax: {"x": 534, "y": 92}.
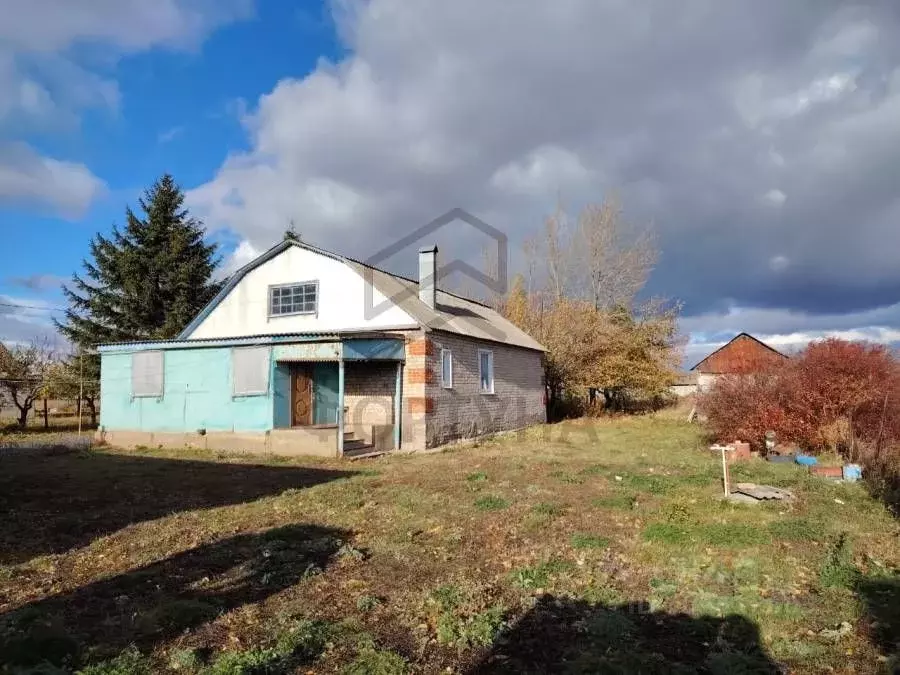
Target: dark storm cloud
{"x": 762, "y": 139}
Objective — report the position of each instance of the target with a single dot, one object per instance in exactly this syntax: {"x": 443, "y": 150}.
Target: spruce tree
{"x": 146, "y": 281}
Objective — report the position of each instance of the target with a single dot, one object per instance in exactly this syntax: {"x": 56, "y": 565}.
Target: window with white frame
{"x": 147, "y": 377}
{"x": 301, "y": 298}
{"x": 250, "y": 371}
{"x": 446, "y": 369}
{"x": 486, "y": 371}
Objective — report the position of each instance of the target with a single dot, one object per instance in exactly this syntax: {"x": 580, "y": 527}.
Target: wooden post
{"x": 724, "y": 471}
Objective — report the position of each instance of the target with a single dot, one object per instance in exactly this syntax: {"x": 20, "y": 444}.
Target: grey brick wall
{"x": 369, "y": 394}
{"x": 463, "y": 411}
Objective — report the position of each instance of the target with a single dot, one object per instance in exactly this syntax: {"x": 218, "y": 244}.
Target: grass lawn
{"x": 583, "y": 547}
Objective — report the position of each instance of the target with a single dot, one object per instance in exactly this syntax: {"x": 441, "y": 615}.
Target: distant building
{"x": 685, "y": 384}
{"x": 743, "y": 355}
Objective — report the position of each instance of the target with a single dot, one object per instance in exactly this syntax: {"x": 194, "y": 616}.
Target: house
{"x": 742, "y": 355}
{"x": 308, "y": 352}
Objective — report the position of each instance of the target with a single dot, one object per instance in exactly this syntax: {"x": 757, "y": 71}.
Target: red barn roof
{"x": 743, "y": 354}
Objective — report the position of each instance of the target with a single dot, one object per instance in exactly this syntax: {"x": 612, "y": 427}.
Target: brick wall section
{"x": 463, "y": 411}
{"x": 414, "y": 412}
{"x": 369, "y": 392}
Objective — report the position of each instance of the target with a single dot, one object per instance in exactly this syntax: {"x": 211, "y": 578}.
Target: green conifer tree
{"x": 146, "y": 281}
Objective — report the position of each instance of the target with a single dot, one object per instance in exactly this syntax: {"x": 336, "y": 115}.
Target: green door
{"x": 325, "y": 387}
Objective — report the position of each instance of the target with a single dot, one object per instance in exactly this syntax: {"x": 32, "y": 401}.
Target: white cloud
{"x": 25, "y": 319}
{"x": 729, "y": 126}
{"x": 131, "y": 25}
{"x": 243, "y": 254}
{"x": 169, "y": 134}
{"x": 27, "y": 178}
{"x": 50, "y": 72}
{"x": 542, "y": 172}
{"x": 775, "y": 197}
{"x": 779, "y": 263}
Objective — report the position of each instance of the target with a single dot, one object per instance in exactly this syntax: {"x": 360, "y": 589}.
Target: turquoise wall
{"x": 325, "y": 391}
{"x": 281, "y": 381}
{"x": 197, "y": 395}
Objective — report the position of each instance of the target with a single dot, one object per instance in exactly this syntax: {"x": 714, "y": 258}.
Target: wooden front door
{"x": 301, "y": 396}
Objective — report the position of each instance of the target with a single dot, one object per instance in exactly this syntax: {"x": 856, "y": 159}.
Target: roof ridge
{"x": 382, "y": 270}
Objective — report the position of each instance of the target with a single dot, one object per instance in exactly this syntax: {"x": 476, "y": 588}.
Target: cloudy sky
{"x": 761, "y": 138}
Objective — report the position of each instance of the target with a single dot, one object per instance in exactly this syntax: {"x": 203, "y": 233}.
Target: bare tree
{"x": 585, "y": 308}
{"x": 23, "y": 374}
{"x": 612, "y": 258}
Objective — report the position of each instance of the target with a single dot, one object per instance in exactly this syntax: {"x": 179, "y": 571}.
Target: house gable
{"x": 243, "y": 306}
{"x": 743, "y": 354}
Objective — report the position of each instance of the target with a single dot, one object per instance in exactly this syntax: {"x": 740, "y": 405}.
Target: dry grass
{"x": 588, "y": 546}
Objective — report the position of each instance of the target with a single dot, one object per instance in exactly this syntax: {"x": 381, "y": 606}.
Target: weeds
{"x": 366, "y": 603}
{"x": 618, "y": 502}
{"x": 491, "y": 503}
{"x": 549, "y": 510}
{"x": 128, "y": 662}
{"x": 838, "y": 570}
{"x": 538, "y": 576}
{"x": 372, "y": 661}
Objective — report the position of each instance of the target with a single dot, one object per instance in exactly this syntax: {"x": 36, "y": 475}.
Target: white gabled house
{"x": 308, "y": 352}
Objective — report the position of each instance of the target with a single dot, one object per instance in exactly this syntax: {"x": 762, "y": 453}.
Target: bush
{"x": 834, "y": 396}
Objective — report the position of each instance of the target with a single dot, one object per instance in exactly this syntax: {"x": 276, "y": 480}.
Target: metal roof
{"x": 178, "y": 343}
{"x": 452, "y": 313}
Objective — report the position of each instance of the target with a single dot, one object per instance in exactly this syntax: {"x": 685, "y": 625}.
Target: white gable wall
{"x": 341, "y": 304}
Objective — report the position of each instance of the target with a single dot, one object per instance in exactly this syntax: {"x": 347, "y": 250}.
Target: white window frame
{"x": 268, "y": 372}
{"x": 448, "y": 382}
{"x": 162, "y": 375}
{"x": 312, "y": 282}
{"x": 490, "y": 355}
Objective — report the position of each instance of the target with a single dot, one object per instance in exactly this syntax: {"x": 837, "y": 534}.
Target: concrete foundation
{"x": 296, "y": 442}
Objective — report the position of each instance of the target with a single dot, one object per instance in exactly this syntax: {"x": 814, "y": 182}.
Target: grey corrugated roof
{"x": 452, "y": 313}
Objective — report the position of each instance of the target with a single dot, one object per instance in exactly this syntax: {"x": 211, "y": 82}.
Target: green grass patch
{"x": 796, "y": 529}
{"x": 128, "y": 662}
{"x": 748, "y": 604}
{"x": 623, "y": 501}
{"x": 732, "y": 535}
{"x": 583, "y": 540}
{"x": 491, "y": 503}
{"x": 720, "y": 535}
{"x": 372, "y": 661}
{"x": 538, "y": 576}
{"x": 548, "y": 509}
{"x": 667, "y": 533}
{"x": 477, "y": 477}
{"x": 473, "y": 630}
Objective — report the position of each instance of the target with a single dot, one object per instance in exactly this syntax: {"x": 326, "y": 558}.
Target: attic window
{"x": 300, "y": 298}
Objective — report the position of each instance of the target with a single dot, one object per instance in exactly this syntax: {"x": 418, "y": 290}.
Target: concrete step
{"x": 365, "y": 453}
{"x": 356, "y": 445}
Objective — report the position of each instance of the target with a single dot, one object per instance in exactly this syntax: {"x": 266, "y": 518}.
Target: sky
{"x": 759, "y": 138}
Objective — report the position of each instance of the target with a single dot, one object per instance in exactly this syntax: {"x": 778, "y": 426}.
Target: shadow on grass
{"x": 54, "y": 502}
{"x": 564, "y": 635}
{"x": 157, "y": 602}
{"x": 881, "y": 598}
